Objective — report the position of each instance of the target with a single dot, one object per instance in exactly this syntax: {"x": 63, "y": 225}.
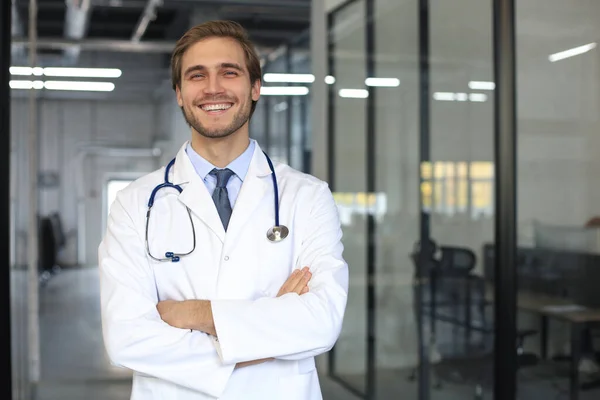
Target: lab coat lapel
{"x": 195, "y": 195}
{"x": 252, "y": 193}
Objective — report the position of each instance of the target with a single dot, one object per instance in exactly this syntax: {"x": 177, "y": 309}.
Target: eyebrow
{"x": 223, "y": 65}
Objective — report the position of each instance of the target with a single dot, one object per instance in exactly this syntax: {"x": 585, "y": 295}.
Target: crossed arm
{"x": 197, "y": 314}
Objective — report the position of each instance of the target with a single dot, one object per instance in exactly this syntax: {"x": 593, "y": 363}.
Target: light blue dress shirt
{"x": 239, "y": 166}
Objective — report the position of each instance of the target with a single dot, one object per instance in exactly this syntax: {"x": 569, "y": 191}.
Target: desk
{"x": 549, "y": 307}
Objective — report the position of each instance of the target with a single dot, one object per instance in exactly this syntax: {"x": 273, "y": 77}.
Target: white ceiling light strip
{"x": 382, "y": 82}
{"x": 83, "y": 72}
{"x": 64, "y": 85}
{"x": 571, "y": 52}
{"x": 289, "y": 78}
{"x": 461, "y": 97}
{"x": 26, "y": 84}
{"x": 81, "y": 86}
{"x": 67, "y": 72}
{"x": 354, "y": 93}
{"x": 283, "y": 90}
{"x": 482, "y": 85}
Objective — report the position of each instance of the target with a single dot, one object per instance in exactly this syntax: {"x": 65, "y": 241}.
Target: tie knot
{"x": 222, "y": 175}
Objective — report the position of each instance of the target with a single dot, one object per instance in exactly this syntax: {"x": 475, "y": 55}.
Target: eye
{"x": 231, "y": 73}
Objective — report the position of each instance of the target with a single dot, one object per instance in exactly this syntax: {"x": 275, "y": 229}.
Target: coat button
{"x": 226, "y": 258}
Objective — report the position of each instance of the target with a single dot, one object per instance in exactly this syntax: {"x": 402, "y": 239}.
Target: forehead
{"x": 213, "y": 52}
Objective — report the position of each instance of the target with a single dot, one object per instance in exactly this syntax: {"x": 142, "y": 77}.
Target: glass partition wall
{"x": 281, "y": 121}
{"x": 412, "y": 165}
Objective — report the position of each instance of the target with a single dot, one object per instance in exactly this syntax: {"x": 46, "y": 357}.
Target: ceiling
{"x": 150, "y": 25}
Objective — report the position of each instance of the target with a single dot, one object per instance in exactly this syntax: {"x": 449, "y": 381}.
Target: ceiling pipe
{"x": 77, "y": 17}
{"x": 112, "y": 45}
{"x": 148, "y": 16}
{"x": 100, "y": 45}
{"x": 18, "y": 52}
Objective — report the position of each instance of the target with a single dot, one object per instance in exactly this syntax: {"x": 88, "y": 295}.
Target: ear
{"x": 256, "y": 90}
{"x": 179, "y": 99}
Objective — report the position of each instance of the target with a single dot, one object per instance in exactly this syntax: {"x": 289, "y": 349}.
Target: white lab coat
{"x": 240, "y": 272}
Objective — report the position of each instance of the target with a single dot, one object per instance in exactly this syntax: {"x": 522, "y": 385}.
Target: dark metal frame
{"x": 5, "y": 276}
{"x": 370, "y": 184}
{"x": 505, "y": 141}
{"x": 422, "y": 274}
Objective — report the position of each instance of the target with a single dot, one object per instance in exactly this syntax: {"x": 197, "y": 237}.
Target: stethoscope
{"x": 275, "y": 234}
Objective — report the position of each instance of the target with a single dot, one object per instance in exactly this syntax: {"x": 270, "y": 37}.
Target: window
{"x": 450, "y": 188}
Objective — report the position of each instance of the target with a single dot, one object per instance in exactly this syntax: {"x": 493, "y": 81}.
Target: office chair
{"x": 423, "y": 268}
{"x": 450, "y": 269}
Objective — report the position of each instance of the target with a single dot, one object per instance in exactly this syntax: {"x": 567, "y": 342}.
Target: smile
{"x": 216, "y": 108}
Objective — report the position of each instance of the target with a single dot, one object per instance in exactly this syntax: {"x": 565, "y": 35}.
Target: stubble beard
{"x": 239, "y": 119}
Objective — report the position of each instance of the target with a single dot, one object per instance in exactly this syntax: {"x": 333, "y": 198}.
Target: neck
{"x": 221, "y": 151}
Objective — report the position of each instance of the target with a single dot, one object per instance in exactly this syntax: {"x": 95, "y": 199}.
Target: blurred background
{"x": 392, "y": 102}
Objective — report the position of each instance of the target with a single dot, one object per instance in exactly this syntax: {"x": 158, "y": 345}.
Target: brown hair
{"x": 224, "y": 29}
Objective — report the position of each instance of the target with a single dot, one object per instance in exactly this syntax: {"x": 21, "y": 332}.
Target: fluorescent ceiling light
{"x": 59, "y": 85}
{"x": 354, "y": 93}
{"x": 482, "y": 85}
{"x": 80, "y": 86}
{"x": 461, "y": 96}
{"x": 84, "y": 72}
{"x": 67, "y": 72}
{"x": 443, "y": 96}
{"x": 450, "y": 96}
{"x": 571, "y": 52}
{"x": 330, "y": 80}
{"x": 289, "y": 78}
{"x": 26, "y": 71}
{"x": 382, "y": 82}
{"x": 478, "y": 97}
{"x": 284, "y": 90}
{"x": 26, "y": 84}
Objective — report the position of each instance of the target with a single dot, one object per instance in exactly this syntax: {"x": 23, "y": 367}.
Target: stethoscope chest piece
{"x": 278, "y": 233}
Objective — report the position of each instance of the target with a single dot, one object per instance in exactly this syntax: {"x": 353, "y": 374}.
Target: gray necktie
{"x": 220, "y": 195}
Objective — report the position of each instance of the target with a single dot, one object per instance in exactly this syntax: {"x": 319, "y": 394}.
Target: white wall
{"x": 65, "y": 128}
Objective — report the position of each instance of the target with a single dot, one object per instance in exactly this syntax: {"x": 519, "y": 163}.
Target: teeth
{"x": 215, "y": 107}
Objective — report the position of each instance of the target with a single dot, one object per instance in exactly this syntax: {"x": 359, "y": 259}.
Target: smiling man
{"x": 222, "y": 274}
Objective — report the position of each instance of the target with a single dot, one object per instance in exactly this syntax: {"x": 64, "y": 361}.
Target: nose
{"x": 213, "y": 85}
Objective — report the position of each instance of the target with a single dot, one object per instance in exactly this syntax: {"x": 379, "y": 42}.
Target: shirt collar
{"x": 239, "y": 166}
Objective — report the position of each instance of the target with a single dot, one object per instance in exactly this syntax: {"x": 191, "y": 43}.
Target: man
{"x": 231, "y": 314}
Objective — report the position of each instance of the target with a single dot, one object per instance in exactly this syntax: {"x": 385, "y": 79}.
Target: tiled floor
{"x": 75, "y": 367}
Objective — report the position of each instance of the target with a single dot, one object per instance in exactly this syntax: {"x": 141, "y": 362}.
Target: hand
{"x": 296, "y": 283}
{"x": 172, "y": 312}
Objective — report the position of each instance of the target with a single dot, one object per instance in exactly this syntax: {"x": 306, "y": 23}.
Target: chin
{"x": 215, "y": 134}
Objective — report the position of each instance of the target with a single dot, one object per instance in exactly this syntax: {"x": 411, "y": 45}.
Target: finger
{"x": 303, "y": 282}
{"x": 305, "y": 290}
{"x": 291, "y": 281}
